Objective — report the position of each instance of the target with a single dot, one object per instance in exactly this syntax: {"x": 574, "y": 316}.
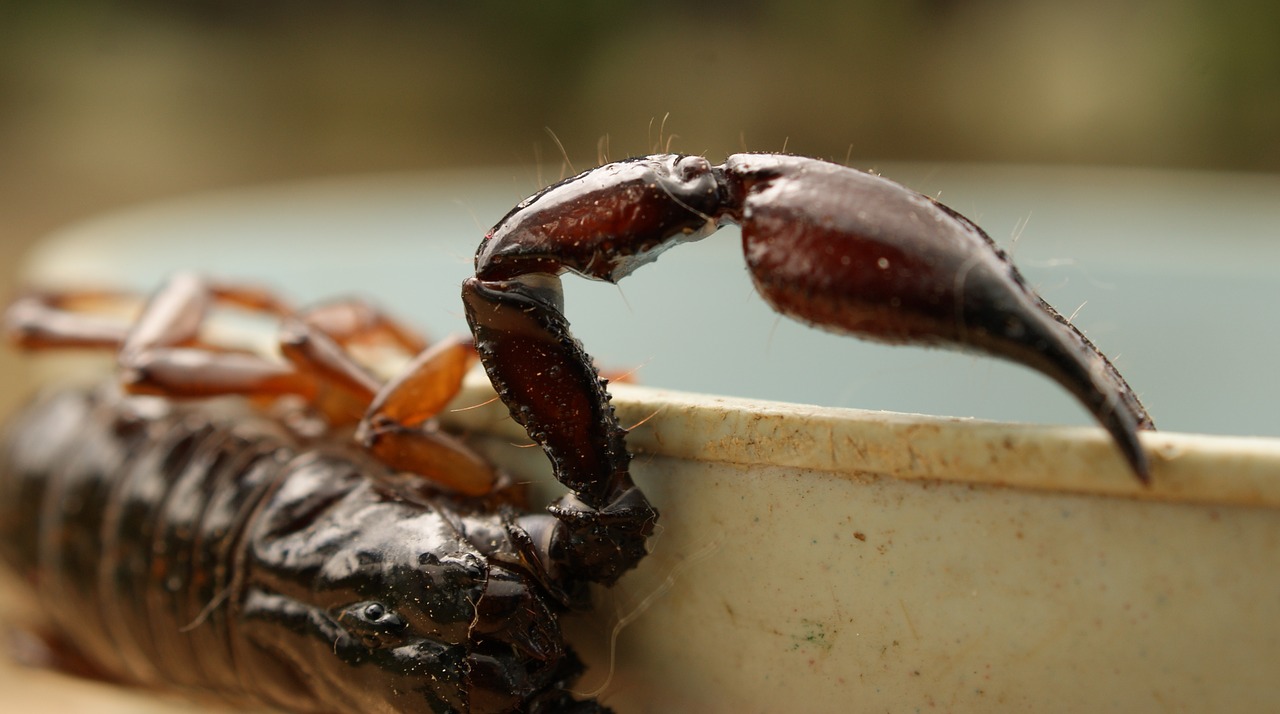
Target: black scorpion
{"x": 316, "y": 544}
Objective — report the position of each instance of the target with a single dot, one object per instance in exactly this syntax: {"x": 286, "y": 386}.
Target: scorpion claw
{"x": 827, "y": 245}
{"x": 864, "y": 256}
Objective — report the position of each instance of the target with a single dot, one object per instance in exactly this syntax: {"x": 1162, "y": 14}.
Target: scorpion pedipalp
{"x": 830, "y": 246}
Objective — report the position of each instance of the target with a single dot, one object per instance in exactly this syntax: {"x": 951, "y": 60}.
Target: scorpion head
{"x": 349, "y": 603}
{"x": 359, "y": 601}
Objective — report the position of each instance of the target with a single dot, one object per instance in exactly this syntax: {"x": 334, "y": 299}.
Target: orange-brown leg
{"x": 354, "y": 320}
{"x": 397, "y": 428}
{"x": 162, "y": 354}
{"x": 318, "y": 340}
{"x": 395, "y": 424}
{"x": 104, "y": 319}
{"x": 49, "y": 320}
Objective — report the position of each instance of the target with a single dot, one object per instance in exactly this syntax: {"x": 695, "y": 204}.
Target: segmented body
{"x": 189, "y": 545}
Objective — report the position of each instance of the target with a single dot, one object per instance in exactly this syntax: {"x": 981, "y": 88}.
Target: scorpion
{"x": 291, "y": 530}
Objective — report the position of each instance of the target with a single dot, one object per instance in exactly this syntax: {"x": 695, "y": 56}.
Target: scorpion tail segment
{"x": 855, "y": 253}
{"x": 549, "y": 383}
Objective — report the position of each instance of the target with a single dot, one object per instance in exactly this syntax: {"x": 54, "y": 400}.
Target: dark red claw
{"x": 855, "y": 253}
{"x": 827, "y": 245}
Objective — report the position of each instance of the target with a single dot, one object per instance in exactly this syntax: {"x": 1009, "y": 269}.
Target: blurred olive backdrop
{"x": 107, "y": 103}
{"x": 104, "y": 103}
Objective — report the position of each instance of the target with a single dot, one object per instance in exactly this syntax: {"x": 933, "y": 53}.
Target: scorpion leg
{"x": 157, "y": 352}
{"x": 395, "y": 423}
{"x": 353, "y": 320}
{"x": 396, "y": 427}
{"x": 50, "y": 320}
{"x": 393, "y": 418}
{"x": 162, "y": 354}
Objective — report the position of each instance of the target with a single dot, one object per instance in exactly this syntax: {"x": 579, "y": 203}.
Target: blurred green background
{"x": 104, "y": 104}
